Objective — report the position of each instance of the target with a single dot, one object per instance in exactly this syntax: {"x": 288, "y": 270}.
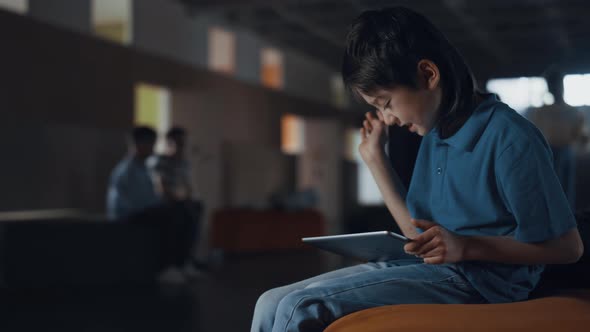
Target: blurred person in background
{"x": 563, "y": 127}
{"x": 171, "y": 173}
{"x": 130, "y": 188}
{"x": 154, "y": 191}
{"x": 171, "y": 170}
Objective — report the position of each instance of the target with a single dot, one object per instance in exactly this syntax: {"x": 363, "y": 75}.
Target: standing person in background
{"x": 171, "y": 174}
{"x": 562, "y": 125}
{"x": 131, "y": 189}
{"x": 171, "y": 171}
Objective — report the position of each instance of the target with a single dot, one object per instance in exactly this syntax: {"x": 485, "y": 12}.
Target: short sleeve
{"x": 532, "y": 192}
{"x": 117, "y": 203}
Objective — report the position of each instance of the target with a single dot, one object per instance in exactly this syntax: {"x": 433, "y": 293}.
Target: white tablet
{"x": 371, "y": 246}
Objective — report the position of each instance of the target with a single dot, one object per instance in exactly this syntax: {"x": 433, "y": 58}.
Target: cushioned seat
{"x": 565, "y": 312}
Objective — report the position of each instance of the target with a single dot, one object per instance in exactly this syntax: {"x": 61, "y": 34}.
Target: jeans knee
{"x": 294, "y": 301}
{"x": 317, "y": 284}
{"x": 270, "y": 299}
{"x": 303, "y": 308}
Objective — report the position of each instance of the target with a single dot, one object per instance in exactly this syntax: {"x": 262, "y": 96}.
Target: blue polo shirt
{"x": 130, "y": 189}
{"x": 494, "y": 177}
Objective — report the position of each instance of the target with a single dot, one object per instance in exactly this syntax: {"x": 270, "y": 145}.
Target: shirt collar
{"x": 468, "y": 135}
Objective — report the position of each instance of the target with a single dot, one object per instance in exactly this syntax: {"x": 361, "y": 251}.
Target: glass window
{"x": 271, "y": 68}
{"x": 521, "y": 93}
{"x": 368, "y": 191}
{"x": 112, "y": 20}
{"x": 16, "y": 6}
{"x": 222, "y": 50}
{"x": 292, "y": 134}
{"x": 152, "y": 109}
{"x": 576, "y": 89}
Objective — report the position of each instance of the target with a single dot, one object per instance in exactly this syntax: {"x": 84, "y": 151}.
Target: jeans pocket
{"x": 451, "y": 276}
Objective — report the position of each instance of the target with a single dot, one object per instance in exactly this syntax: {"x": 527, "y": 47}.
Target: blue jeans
{"x": 313, "y": 304}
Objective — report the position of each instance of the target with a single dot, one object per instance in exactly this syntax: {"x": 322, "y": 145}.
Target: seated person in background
{"x": 171, "y": 173}
{"x": 562, "y": 125}
{"x": 130, "y": 187}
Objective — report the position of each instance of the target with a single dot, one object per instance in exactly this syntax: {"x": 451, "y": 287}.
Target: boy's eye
{"x": 387, "y": 105}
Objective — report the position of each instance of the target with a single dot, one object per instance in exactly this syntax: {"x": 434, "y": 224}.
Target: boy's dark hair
{"x": 143, "y": 134}
{"x": 383, "y": 48}
{"x": 176, "y": 133}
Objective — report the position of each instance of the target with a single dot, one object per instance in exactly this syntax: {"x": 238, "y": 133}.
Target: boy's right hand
{"x": 373, "y": 137}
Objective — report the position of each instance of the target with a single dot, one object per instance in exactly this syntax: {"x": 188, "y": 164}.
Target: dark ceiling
{"x": 499, "y": 38}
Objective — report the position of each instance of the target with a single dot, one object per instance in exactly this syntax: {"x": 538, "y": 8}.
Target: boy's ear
{"x": 428, "y": 74}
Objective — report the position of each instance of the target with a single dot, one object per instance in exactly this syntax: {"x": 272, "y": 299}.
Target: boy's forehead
{"x": 377, "y": 95}
{"x": 380, "y": 93}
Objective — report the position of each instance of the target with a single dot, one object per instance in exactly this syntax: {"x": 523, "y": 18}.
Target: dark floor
{"x": 221, "y": 300}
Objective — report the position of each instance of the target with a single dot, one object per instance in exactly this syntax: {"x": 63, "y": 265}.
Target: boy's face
{"x": 416, "y": 109}
{"x": 413, "y": 109}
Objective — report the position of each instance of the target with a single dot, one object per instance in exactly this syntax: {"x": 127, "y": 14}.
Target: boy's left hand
{"x": 436, "y": 245}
